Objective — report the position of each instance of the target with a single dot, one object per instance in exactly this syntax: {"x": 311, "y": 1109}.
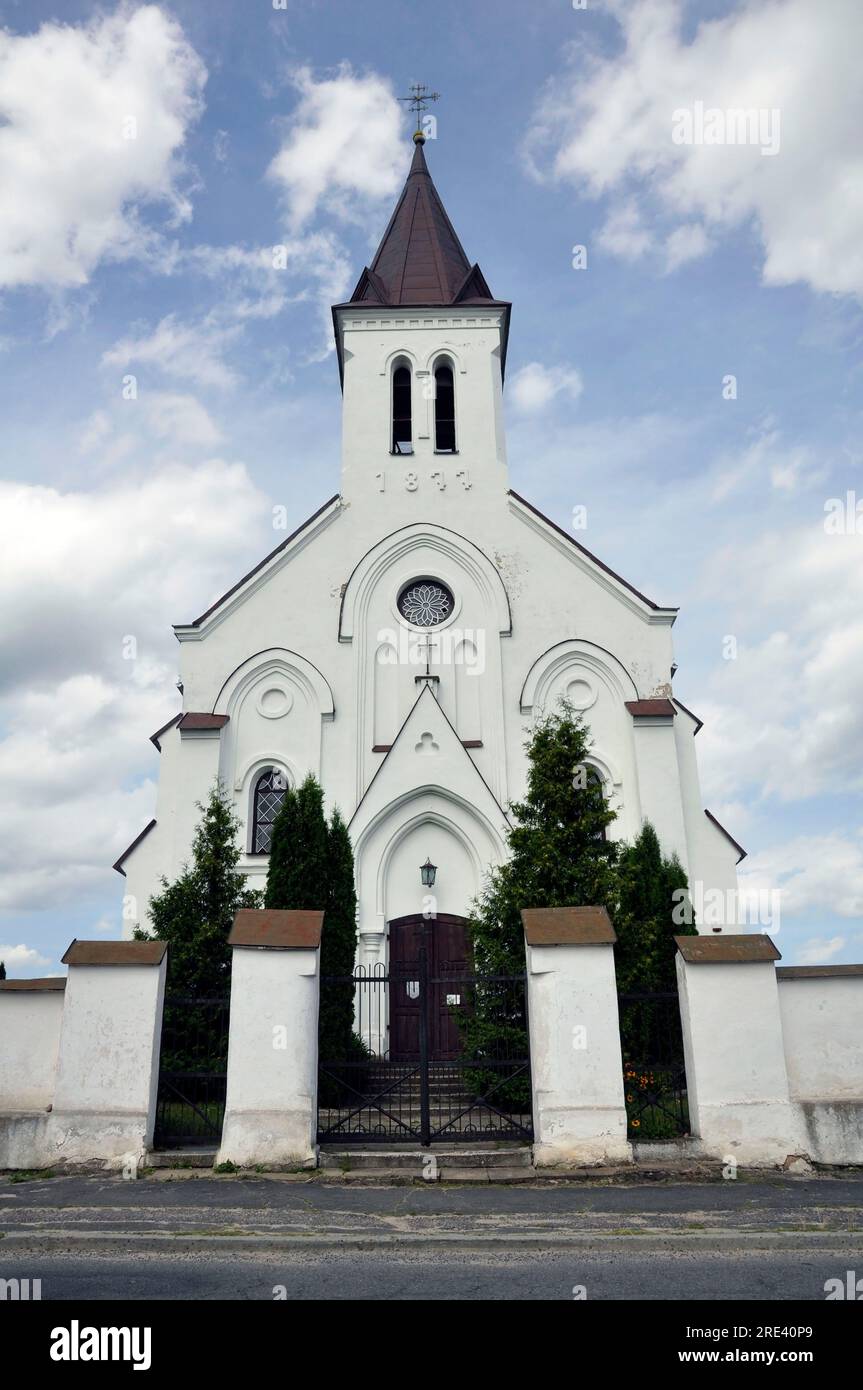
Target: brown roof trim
{"x": 277, "y": 929}
{"x": 742, "y": 853}
{"x": 134, "y": 845}
{"x": 650, "y": 709}
{"x": 699, "y": 723}
{"x": 154, "y": 738}
{"x": 567, "y": 926}
{"x": 589, "y": 553}
{"x": 193, "y": 720}
{"x": 818, "y": 972}
{"x": 717, "y": 950}
{"x": 45, "y": 982}
{"x": 115, "y": 953}
{"x": 240, "y": 582}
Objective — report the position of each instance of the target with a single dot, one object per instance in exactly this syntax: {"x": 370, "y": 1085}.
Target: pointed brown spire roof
{"x": 420, "y": 260}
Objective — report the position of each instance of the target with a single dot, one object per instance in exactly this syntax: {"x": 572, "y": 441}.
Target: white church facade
{"x": 401, "y": 642}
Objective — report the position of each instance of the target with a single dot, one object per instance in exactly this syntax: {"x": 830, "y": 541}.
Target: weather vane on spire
{"x": 418, "y": 101}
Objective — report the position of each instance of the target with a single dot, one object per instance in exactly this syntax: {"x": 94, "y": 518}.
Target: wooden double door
{"x": 429, "y": 965}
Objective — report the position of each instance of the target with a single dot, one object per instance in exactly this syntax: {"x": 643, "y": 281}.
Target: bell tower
{"x": 422, "y": 352}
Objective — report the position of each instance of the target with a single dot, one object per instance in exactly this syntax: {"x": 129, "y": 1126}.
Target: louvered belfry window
{"x": 269, "y": 795}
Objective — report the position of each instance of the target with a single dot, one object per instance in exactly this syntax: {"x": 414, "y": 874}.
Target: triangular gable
{"x": 474, "y": 286}
{"x": 370, "y": 289}
{"x": 427, "y": 753}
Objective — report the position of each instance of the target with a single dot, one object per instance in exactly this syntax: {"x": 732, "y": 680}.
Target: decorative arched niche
{"x": 276, "y": 702}
{"x": 388, "y": 649}
{"x": 426, "y": 822}
{"x": 596, "y": 684}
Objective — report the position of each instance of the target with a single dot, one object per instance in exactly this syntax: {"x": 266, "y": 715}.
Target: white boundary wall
{"x": 821, "y": 1007}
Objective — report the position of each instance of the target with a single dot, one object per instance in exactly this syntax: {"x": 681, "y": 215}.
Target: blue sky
{"x": 146, "y": 250}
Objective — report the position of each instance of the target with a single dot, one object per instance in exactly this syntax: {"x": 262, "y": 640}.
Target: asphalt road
{"x": 203, "y": 1238}
{"x": 442, "y": 1275}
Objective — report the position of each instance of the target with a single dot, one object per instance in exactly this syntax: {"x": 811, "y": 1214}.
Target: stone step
{"x": 197, "y": 1156}
{"x": 401, "y": 1157}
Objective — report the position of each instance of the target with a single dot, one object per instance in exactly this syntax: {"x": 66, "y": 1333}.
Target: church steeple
{"x": 421, "y": 348}
{"x": 420, "y": 261}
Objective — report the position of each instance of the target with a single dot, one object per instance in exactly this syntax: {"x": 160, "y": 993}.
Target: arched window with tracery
{"x": 267, "y": 801}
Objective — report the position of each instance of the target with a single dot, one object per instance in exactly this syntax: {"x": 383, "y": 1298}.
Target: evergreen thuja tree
{"x": 646, "y": 923}
{"x": 338, "y": 951}
{"x": 559, "y": 857}
{"x": 312, "y": 866}
{"x": 194, "y": 914}
{"x": 653, "y": 889}
{"x": 298, "y": 874}
{"x": 2, "y": 970}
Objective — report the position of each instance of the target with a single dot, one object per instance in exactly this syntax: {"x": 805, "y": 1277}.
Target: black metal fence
{"x": 432, "y": 1058}
{"x": 193, "y": 1071}
{"x": 654, "y": 1075}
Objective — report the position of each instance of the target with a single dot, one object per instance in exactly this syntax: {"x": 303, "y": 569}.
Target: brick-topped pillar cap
{"x": 278, "y": 929}
{"x": 115, "y": 953}
{"x": 567, "y": 926}
{"x": 725, "y": 950}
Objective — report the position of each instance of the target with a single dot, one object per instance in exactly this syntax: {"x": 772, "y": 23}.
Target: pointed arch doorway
{"x": 434, "y": 951}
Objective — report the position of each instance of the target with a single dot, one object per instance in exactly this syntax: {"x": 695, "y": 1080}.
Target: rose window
{"x": 425, "y": 602}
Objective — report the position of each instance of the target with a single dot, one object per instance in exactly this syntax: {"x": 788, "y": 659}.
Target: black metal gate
{"x": 193, "y": 1071}
{"x": 654, "y": 1074}
{"x": 368, "y": 1095}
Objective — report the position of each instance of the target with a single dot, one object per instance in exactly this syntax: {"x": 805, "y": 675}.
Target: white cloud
{"x": 815, "y": 874}
{"x": 21, "y": 958}
{"x": 188, "y": 351}
{"x": 785, "y": 716}
{"x": 73, "y": 182}
{"x": 535, "y": 386}
{"x": 79, "y": 571}
{"x": 686, "y": 243}
{"x": 787, "y": 467}
{"x": 605, "y": 124}
{"x": 96, "y": 431}
{"x": 255, "y": 282}
{"x": 624, "y": 232}
{"x": 179, "y": 419}
{"x": 818, "y": 952}
{"x": 344, "y": 149}
{"x": 80, "y": 575}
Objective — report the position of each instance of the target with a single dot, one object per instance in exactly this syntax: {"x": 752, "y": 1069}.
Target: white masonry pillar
{"x": 108, "y": 1063}
{"x": 736, "y": 1080}
{"x": 271, "y": 1102}
{"x": 579, "y": 1113}
{"x": 658, "y": 772}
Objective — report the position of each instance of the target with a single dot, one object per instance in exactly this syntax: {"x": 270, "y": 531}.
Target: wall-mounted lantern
{"x": 427, "y": 873}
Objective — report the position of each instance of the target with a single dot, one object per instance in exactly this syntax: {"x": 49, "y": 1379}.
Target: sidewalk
{"x": 203, "y": 1212}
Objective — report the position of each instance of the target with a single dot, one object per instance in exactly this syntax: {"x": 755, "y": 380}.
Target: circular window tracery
{"x": 425, "y": 602}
